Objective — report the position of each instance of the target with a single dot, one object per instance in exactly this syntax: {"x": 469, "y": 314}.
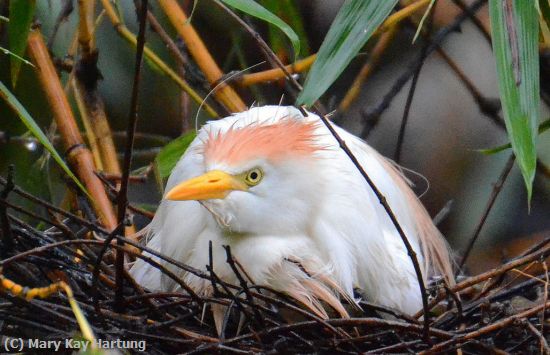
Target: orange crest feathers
{"x": 285, "y": 138}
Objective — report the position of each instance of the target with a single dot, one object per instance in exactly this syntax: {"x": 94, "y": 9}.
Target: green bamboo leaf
{"x": 21, "y": 15}
{"x": 254, "y": 9}
{"x": 543, "y": 127}
{"x": 27, "y": 119}
{"x": 288, "y": 11}
{"x": 8, "y": 52}
{"x": 169, "y": 155}
{"x": 515, "y": 33}
{"x": 352, "y": 27}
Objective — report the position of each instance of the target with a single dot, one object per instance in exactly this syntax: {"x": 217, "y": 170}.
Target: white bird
{"x": 297, "y": 214}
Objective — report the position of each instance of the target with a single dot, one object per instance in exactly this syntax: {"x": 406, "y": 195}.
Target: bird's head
{"x": 259, "y": 179}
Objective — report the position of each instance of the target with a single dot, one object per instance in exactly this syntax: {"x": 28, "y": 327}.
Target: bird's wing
{"x": 358, "y": 237}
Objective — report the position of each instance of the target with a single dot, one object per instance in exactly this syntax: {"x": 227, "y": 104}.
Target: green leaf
{"x": 21, "y": 15}
{"x": 352, "y": 27}
{"x": 27, "y": 119}
{"x": 8, "y": 52}
{"x": 254, "y": 9}
{"x": 288, "y": 11}
{"x": 169, "y": 155}
{"x": 543, "y": 127}
{"x": 515, "y": 33}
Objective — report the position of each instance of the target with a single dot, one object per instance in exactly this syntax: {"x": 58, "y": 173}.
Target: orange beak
{"x": 214, "y": 184}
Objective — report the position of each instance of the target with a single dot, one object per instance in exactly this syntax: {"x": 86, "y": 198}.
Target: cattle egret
{"x": 299, "y": 217}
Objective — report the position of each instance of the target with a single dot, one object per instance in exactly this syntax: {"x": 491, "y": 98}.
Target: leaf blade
{"x": 354, "y": 24}
{"x": 170, "y": 154}
{"x": 21, "y": 15}
{"x": 254, "y": 9}
{"x": 31, "y": 125}
{"x": 515, "y": 31}
{"x": 543, "y": 127}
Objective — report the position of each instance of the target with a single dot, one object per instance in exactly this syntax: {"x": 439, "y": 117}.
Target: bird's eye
{"x": 253, "y": 177}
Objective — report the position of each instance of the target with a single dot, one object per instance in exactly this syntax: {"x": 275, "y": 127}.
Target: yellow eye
{"x": 254, "y": 176}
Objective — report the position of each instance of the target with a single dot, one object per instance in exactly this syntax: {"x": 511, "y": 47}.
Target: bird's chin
{"x": 218, "y": 209}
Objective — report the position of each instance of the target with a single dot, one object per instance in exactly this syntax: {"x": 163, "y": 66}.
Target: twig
{"x": 438, "y": 38}
{"x": 67, "y": 8}
{"x": 182, "y": 63}
{"x": 382, "y": 199}
{"x": 492, "y": 198}
{"x": 474, "y": 280}
{"x": 412, "y": 89}
{"x": 7, "y": 237}
{"x": 49, "y": 206}
{"x": 474, "y": 19}
{"x": 487, "y": 329}
{"x": 242, "y": 282}
{"x": 443, "y": 212}
{"x": 350, "y": 322}
{"x": 132, "y": 124}
{"x": 271, "y": 57}
{"x": 543, "y": 343}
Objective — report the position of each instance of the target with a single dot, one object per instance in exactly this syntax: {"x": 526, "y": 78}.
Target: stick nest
{"x": 502, "y": 310}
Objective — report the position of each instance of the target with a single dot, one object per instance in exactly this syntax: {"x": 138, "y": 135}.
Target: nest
{"x": 501, "y": 310}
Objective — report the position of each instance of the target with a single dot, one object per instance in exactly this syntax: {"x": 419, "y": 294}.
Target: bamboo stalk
{"x": 77, "y": 154}
{"x": 225, "y": 94}
{"x": 127, "y": 35}
{"x": 89, "y": 102}
{"x": 85, "y": 118}
{"x": 276, "y": 74}
{"x": 86, "y": 9}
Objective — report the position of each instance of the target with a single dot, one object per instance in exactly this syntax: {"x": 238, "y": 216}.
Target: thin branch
{"x": 487, "y": 329}
{"x": 389, "y": 212}
{"x": 271, "y": 57}
{"x": 438, "y": 38}
{"x": 7, "y": 237}
{"x": 412, "y": 89}
{"x": 131, "y": 129}
{"x": 490, "y": 203}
